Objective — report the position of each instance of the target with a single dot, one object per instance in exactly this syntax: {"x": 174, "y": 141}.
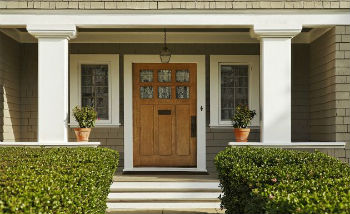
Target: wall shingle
{"x": 172, "y": 4}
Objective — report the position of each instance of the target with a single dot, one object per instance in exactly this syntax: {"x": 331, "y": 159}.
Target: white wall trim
{"x": 50, "y": 144}
{"x": 128, "y": 118}
{"x": 253, "y": 91}
{"x": 296, "y": 145}
{"x": 113, "y": 84}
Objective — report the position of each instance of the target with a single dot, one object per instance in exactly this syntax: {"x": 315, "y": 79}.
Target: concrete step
{"x": 162, "y": 206}
{"x": 163, "y": 196}
{"x": 166, "y": 211}
{"x": 165, "y": 187}
{"x": 152, "y": 197}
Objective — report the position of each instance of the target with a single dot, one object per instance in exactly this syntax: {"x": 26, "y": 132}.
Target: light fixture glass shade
{"x": 165, "y": 55}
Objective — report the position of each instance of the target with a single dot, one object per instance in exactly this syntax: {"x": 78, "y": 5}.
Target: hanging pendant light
{"x": 165, "y": 53}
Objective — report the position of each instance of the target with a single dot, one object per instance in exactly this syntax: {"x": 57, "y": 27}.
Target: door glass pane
{"x": 146, "y": 92}
{"x": 182, "y": 76}
{"x": 182, "y": 92}
{"x": 146, "y": 76}
{"x": 94, "y": 88}
{"x": 164, "y": 92}
{"x": 234, "y": 88}
{"x": 164, "y": 76}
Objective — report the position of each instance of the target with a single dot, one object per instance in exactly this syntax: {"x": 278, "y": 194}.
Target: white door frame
{"x": 128, "y": 113}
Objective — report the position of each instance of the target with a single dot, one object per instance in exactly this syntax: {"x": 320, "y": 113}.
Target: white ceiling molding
{"x": 52, "y": 31}
{"x": 275, "y": 31}
{"x": 157, "y": 37}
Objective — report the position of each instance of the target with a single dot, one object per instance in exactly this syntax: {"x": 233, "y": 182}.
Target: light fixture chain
{"x": 164, "y": 37}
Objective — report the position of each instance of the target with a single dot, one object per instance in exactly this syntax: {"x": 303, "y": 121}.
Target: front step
{"x": 171, "y": 196}
{"x": 163, "y": 196}
{"x": 165, "y": 187}
{"x": 161, "y": 206}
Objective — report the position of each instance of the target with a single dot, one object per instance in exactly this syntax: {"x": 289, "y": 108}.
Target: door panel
{"x": 183, "y": 136}
{"x": 164, "y": 101}
{"x": 146, "y": 129}
{"x": 165, "y": 129}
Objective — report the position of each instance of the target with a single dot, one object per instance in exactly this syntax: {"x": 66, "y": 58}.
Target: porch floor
{"x": 156, "y": 177}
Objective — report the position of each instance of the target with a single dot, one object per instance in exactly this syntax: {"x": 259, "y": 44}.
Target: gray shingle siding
{"x": 171, "y": 4}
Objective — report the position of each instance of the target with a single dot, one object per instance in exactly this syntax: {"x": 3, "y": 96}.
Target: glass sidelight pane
{"x": 164, "y": 76}
{"x": 146, "y": 76}
{"x": 234, "y": 88}
{"x": 182, "y": 76}
{"x": 146, "y": 92}
{"x": 182, "y": 92}
{"x": 227, "y": 76}
{"x": 227, "y": 96}
{"x": 86, "y": 80}
{"x": 87, "y": 101}
{"x": 94, "y": 88}
{"x": 241, "y": 96}
{"x": 164, "y": 92}
{"x": 87, "y": 91}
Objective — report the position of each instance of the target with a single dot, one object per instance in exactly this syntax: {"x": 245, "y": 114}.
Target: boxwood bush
{"x": 55, "y": 180}
{"x": 267, "y": 180}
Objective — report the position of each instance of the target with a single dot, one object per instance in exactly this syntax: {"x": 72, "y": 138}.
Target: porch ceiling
{"x": 161, "y": 30}
{"x": 155, "y": 35}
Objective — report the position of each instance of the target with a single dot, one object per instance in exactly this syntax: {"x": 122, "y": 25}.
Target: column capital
{"x": 275, "y": 31}
{"x": 52, "y": 31}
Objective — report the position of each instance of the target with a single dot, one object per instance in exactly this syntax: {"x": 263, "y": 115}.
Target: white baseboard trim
{"x": 296, "y": 145}
{"x": 50, "y": 144}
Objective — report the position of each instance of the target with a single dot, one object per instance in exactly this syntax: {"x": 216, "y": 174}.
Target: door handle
{"x": 193, "y": 126}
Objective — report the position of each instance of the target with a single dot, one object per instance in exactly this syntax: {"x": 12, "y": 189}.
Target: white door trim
{"x": 128, "y": 119}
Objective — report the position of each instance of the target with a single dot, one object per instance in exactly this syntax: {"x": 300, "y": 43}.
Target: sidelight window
{"x": 234, "y": 80}
{"x": 94, "y": 81}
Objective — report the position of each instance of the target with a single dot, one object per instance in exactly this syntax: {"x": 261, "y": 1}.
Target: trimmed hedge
{"x": 267, "y": 180}
{"x": 55, "y": 180}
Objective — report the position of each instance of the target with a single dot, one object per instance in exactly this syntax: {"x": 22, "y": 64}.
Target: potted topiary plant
{"x": 240, "y": 121}
{"x": 86, "y": 117}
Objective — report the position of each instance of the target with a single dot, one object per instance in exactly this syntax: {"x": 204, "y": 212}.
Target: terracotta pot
{"x": 241, "y": 134}
{"x": 82, "y": 134}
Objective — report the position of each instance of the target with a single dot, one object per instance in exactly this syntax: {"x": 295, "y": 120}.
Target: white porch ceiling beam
{"x": 134, "y": 20}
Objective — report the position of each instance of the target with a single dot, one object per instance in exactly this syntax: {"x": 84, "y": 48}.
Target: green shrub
{"x": 55, "y": 180}
{"x": 265, "y": 180}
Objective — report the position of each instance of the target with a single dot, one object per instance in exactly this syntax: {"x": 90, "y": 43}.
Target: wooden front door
{"x": 164, "y": 112}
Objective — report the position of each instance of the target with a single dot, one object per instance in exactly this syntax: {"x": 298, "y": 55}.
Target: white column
{"x": 275, "y": 82}
{"x": 52, "y": 80}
